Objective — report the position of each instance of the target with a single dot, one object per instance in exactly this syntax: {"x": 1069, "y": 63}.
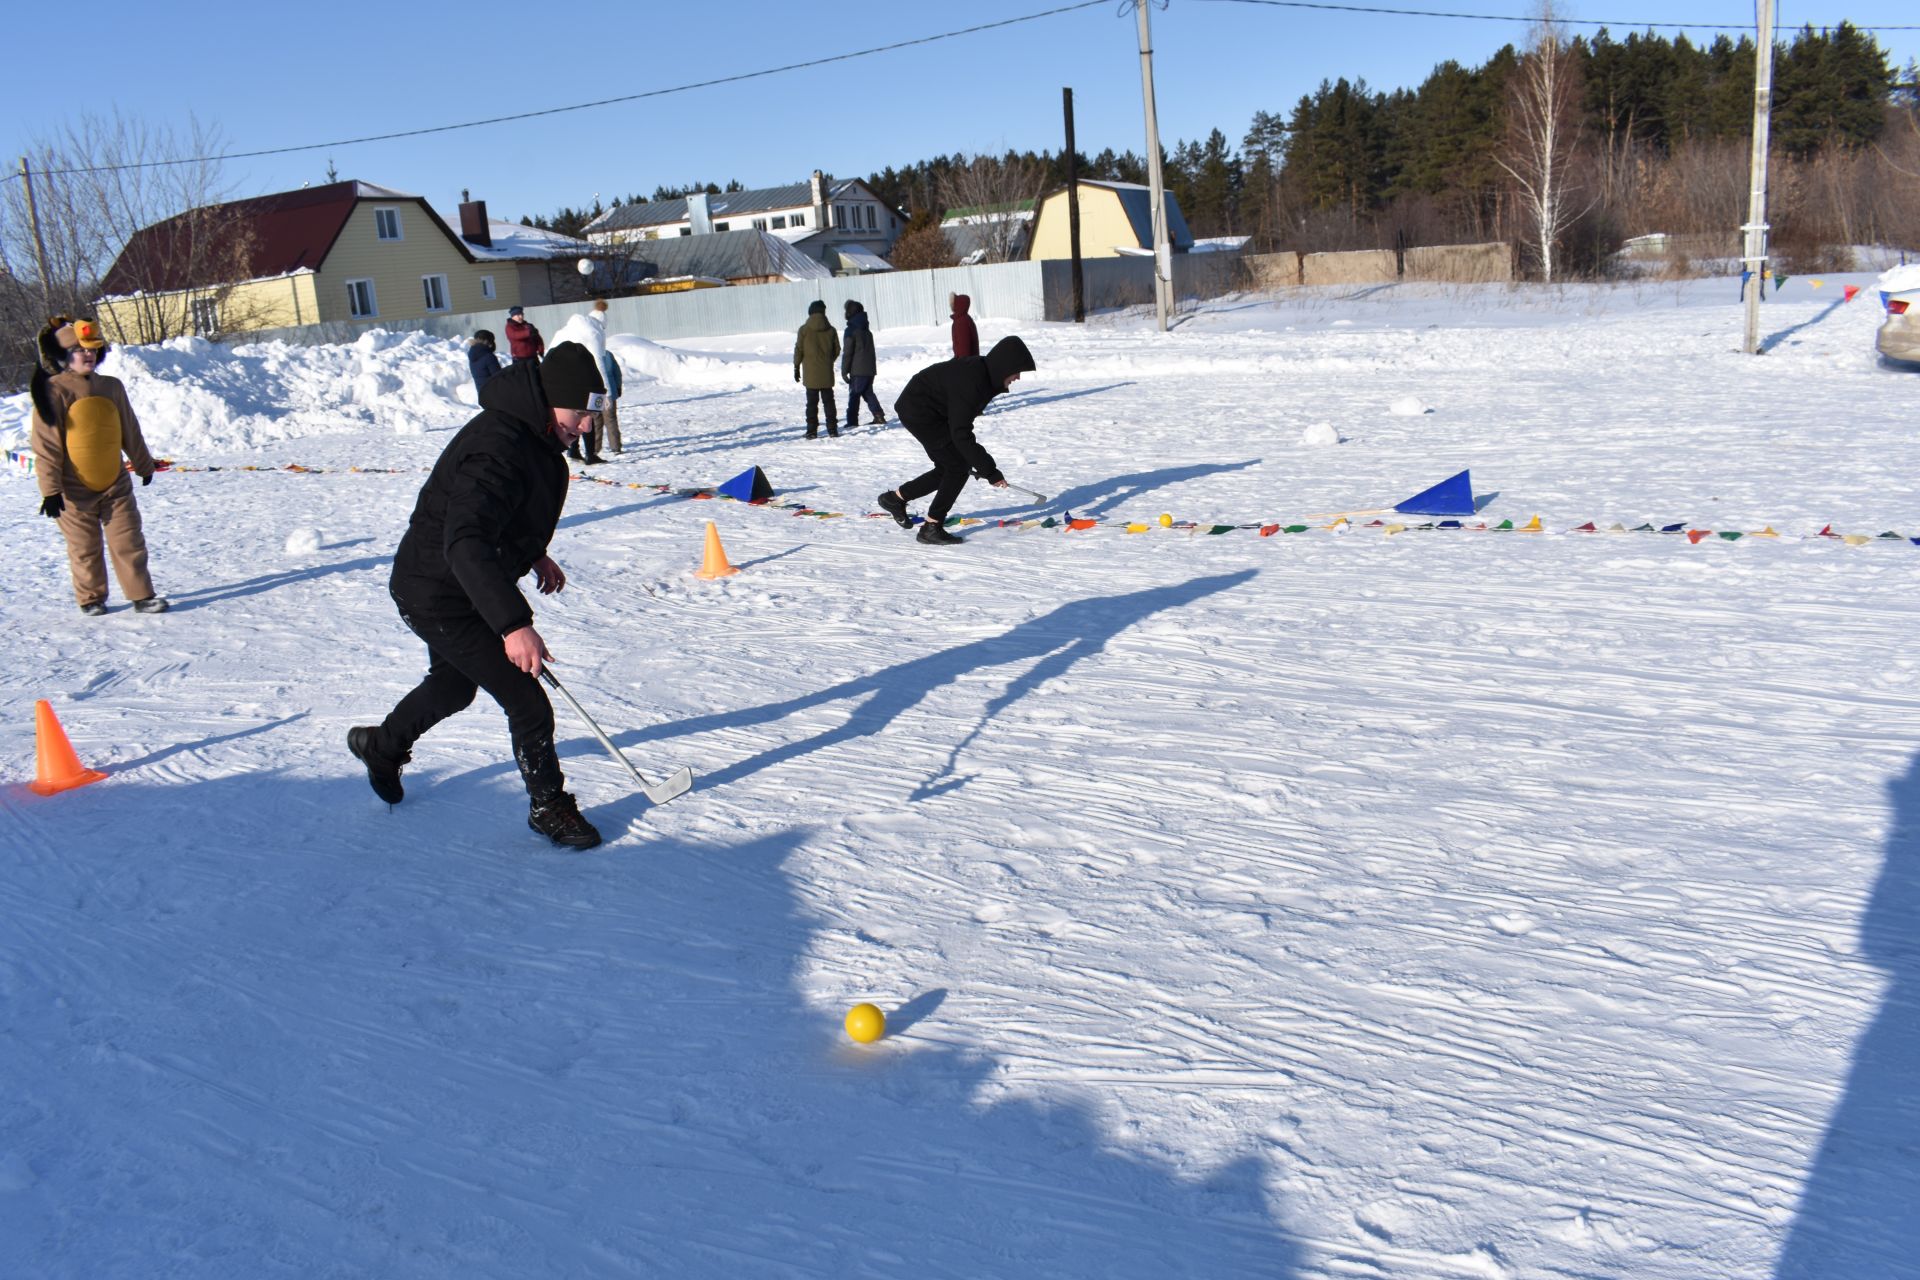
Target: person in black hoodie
{"x": 859, "y": 365}
{"x": 939, "y": 406}
{"x": 482, "y": 522}
{"x": 481, "y": 358}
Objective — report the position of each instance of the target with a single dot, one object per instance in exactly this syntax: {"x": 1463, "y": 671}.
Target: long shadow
{"x": 1859, "y": 1216}
{"x": 155, "y": 757}
{"x": 1012, "y": 404}
{"x": 706, "y": 395}
{"x": 579, "y": 518}
{"x": 1102, "y": 496}
{"x": 1075, "y": 630}
{"x": 1769, "y": 343}
{"x": 364, "y": 1038}
{"x": 270, "y": 581}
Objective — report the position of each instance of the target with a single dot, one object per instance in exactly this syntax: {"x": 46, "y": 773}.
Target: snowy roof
{"x": 512, "y": 240}
{"x": 855, "y": 258}
{"x": 728, "y": 204}
{"x": 727, "y": 255}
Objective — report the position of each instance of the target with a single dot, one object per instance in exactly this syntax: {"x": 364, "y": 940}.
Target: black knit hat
{"x": 571, "y": 377}
{"x": 816, "y": 308}
{"x": 1009, "y": 356}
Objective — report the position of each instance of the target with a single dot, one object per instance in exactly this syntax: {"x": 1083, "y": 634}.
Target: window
{"x": 686, "y": 231}
{"x": 486, "y": 286}
{"x": 839, "y": 215}
{"x": 780, "y": 223}
{"x": 799, "y": 219}
{"x": 435, "y": 289}
{"x": 722, "y": 226}
{"x": 759, "y": 224}
{"x": 206, "y": 315}
{"x": 869, "y": 209}
{"x": 360, "y": 304}
{"x": 386, "y": 224}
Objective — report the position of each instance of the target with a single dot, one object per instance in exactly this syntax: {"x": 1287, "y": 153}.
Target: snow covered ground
{"x": 1314, "y": 905}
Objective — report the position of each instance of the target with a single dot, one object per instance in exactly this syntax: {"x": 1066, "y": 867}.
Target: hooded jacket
{"x": 481, "y": 360}
{"x": 857, "y": 358}
{"x": 488, "y": 510}
{"x": 966, "y": 338}
{"x": 523, "y": 340}
{"x": 815, "y": 348}
{"x": 941, "y": 401}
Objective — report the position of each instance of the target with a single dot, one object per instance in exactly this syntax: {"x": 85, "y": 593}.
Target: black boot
{"x": 152, "y": 604}
{"x": 383, "y": 771}
{"x": 558, "y": 819}
{"x": 573, "y": 451}
{"x": 935, "y": 534}
{"x": 896, "y": 506}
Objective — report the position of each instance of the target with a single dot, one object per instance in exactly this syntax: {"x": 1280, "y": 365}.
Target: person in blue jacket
{"x": 858, "y": 366}
{"x": 609, "y": 420}
{"x": 480, "y": 358}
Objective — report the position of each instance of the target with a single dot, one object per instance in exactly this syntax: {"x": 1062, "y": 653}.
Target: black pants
{"x": 814, "y": 396}
{"x": 859, "y": 386}
{"x": 945, "y": 481}
{"x": 464, "y": 655}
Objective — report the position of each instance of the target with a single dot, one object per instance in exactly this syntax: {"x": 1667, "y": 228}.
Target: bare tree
{"x": 1543, "y": 132}
{"x": 997, "y": 195}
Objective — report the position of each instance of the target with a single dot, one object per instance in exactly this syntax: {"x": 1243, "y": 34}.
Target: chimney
{"x": 699, "y": 216}
{"x": 819, "y": 200}
{"x": 473, "y": 222}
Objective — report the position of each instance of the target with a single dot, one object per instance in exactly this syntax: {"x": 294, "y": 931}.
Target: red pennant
{"x": 1694, "y": 535}
{"x": 1081, "y": 524}
{"x": 1584, "y": 528}
{"x": 1850, "y": 291}
{"x": 1268, "y": 530}
{"x": 1827, "y": 533}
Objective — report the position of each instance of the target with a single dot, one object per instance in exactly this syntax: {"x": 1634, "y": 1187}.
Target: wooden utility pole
{"x": 1162, "y": 253}
{"x": 39, "y": 245}
{"x": 1754, "y": 263}
{"x": 1073, "y": 214}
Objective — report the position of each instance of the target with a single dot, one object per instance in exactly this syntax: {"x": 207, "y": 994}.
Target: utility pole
{"x": 39, "y": 245}
{"x": 1162, "y": 253}
{"x": 1755, "y": 261}
{"x": 1073, "y": 214}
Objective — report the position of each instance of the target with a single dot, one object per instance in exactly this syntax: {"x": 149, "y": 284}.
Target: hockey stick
{"x": 1039, "y": 499}
{"x": 677, "y": 783}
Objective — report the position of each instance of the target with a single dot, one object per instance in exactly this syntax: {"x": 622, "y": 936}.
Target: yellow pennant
{"x": 1395, "y": 528}
{"x": 1855, "y": 539}
{"x": 1136, "y": 527}
{"x": 1531, "y": 526}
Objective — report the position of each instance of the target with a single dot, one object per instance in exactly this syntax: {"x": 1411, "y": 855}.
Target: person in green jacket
{"x": 815, "y": 351}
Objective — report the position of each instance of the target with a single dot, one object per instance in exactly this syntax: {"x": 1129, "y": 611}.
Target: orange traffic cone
{"x": 716, "y": 565}
{"x": 58, "y": 768}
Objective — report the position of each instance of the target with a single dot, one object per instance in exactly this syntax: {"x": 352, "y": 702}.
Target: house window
{"x": 799, "y": 219}
{"x": 780, "y": 223}
{"x": 722, "y": 226}
{"x": 435, "y": 289}
{"x": 360, "y": 304}
{"x": 206, "y": 315}
{"x": 759, "y": 224}
{"x": 839, "y": 215}
{"x": 869, "y": 209}
{"x": 686, "y": 231}
{"x": 486, "y": 286}
{"x": 386, "y": 224}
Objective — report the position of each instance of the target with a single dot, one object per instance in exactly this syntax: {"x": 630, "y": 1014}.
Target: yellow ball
{"x": 1166, "y": 520}
{"x": 865, "y": 1023}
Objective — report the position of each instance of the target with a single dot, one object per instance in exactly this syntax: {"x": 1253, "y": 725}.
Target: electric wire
{"x": 1505, "y": 17}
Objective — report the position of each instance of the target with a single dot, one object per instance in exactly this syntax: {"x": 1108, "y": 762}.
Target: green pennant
{"x": 1643, "y": 528}
{"x": 1222, "y": 528}
{"x": 1295, "y": 528}
{"x": 1504, "y": 524}
{"x": 1731, "y": 535}
{"x": 1891, "y": 534}
{"x": 1049, "y": 523}
{"x": 950, "y": 521}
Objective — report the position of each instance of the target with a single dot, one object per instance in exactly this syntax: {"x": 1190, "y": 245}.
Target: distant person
{"x": 966, "y": 338}
{"x": 815, "y": 348}
{"x": 482, "y": 522}
{"x": 858, "y": 365}
{"x": 523, "y": 340}
{"x": 81, "y": 424}
{"x": 481, "y": 359}
{"x": 939, "y": 406}
{"x": 607, "y": 435}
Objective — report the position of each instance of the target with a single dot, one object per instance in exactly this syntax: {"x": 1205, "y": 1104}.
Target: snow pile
{"x": 1900, "y": 279}
{"x": 303, "y": 542}
{"x": 1408, "y": 407}
{"x": 1320, "y": 433}
{"x": 700, "y": 369}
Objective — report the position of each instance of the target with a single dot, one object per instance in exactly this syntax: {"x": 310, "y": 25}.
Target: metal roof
{"x": 727, "y": 255}
{"x": 728, "y": 204}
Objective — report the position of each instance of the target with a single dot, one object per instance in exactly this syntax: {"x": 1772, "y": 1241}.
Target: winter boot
{"x": 152, "y": 604}
{"x": 573, "y": 451}
{"x": 383, "y": 772}
{"x": 95, "y": 609}
{"x": 834, "y": 432}
{"x": 879, "y": 420}
{"x": 896, "y": 506}
{"x": 558, "y": 819}
{"x": 935, "y": 534}
{"x": 813, "y": 433}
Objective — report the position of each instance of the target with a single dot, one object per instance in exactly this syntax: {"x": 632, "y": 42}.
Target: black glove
{"x": 147, "y": 479}
{"x": 796, "y": 375}
{"x": 52, "y": 505}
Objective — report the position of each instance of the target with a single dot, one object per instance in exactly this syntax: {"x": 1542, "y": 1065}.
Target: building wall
{"x": 396, "y": 268}
{"x": 258, "y": 304}
{"x": 1357, "y": 266}
{"x": 1104, "y": 225}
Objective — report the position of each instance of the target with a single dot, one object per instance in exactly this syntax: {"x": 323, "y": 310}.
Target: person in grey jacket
{"x": 858, "y": 366}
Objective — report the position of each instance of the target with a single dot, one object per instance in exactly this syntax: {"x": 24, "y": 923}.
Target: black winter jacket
{"x": 944, "y": 399}
{"x": 483, "y": 363}
{"x": 488, "y": 510}
{"x": 856, "y": 351}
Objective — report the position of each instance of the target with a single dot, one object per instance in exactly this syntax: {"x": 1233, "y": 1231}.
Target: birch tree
{"x": 1544, "y": 124}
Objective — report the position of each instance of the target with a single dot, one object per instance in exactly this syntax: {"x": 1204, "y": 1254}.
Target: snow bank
{"x": 1408, "y": 407}
{"x": 698, "y": 369}
{"x": 1900, "y": 279}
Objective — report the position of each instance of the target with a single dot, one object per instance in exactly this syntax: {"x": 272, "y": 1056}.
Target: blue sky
{"x": 276, "y": 76}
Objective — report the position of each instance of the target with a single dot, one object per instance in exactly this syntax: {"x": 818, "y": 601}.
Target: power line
{"x": 1501, "y": 17}
{"x": 603, "y": 102}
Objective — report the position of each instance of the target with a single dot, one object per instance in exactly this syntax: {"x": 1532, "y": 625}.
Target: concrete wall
{"x": 1358, "y": 266}
{"x": 1461, "y": 263}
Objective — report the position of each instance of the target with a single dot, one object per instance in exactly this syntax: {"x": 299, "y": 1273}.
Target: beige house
{"x": 1116, "y": 220}
{"x": 348, "y": 251}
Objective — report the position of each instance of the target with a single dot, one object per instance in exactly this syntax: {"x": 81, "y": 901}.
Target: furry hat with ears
{"x": 61, "y": 335}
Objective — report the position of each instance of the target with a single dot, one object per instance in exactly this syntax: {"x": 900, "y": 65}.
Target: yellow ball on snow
{"x": 1166, "y": 520}
{"x": 865, "y": 1023}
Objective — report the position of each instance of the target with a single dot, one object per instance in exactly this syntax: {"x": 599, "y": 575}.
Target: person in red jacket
{"x": 966, "y": 338}
{"x": 523, "y": 340}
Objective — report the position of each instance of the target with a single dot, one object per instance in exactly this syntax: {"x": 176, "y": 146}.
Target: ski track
{"x": 1321, "y": 906}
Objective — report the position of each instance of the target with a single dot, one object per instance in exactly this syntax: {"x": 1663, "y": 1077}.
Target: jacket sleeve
{"x": 131, "y": 441}
{"x": 49, "y": 446}
{"x": 539, "y": 343}
{"x": 846, "y": 354}
{"x": 833, "y": 351}
{"x": 610, "y": 373}
{"x": 799, "y": 344}
{"x": 961, "y": 411}
{"x": 478, "y": 507}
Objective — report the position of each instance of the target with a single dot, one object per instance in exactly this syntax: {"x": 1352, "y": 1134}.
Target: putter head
{"x": 677, "y": 783}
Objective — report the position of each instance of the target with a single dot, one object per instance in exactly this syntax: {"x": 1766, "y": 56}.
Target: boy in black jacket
{"x": 939, "y": 406}
{"x": 482, "y": 522}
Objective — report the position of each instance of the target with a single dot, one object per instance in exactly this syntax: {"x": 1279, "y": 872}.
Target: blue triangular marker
{"x": 750, "y": 485}
{"x": 1451, "y": 497}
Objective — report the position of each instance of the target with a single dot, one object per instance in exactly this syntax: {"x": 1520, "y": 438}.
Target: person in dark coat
{"x": 482, "y": 522}
{"x": 966, "y": 338}
{"x": 481, "y": 359}
{"x": 858, "y": 365}
{"x": 815, "y": 347}
{"x": 939, "y": 406}
{"x": 523, "y": 340}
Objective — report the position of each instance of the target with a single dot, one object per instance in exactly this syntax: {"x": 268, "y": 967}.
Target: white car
{"x": 1899, "y": 337}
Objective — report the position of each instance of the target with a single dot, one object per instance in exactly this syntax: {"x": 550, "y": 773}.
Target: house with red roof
{"x": 347, "y": 251}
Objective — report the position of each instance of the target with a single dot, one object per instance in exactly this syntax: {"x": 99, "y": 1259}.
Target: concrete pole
{"x": 1754, "y": 261}
{"x": 1162, "y": 253}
